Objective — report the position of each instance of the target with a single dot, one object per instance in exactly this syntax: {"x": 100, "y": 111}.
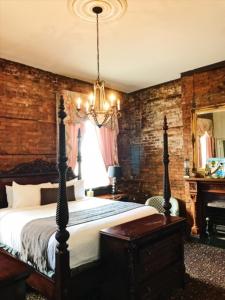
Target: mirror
{"x": 209, "y": 135}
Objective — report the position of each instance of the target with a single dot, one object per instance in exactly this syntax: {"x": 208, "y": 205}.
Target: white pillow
{"x": 68, "y": 183}
{"x": 78, "y": 186}
{"x": 27, "y": 194}
{"x": 9, "y": 194}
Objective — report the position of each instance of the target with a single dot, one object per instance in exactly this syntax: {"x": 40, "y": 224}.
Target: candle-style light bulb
{"x": 118, "y": 104}
{"x": 87, "y": 107}
{"x": 112, "y": 99}
{"x": 91, "y": 99}
{"x": 79, "y": 103}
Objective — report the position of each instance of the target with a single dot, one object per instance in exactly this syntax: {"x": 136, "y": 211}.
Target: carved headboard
{"x": 34, "y": 172}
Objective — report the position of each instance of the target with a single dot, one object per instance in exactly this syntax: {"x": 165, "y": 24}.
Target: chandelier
{"x": 98, "y": 108}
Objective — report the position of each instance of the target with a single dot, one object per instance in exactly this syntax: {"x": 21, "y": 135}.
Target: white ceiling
{"x": 152, "y": 43}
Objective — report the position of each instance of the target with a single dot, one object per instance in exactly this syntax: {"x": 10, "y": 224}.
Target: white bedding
{"x": 84, "y": 238}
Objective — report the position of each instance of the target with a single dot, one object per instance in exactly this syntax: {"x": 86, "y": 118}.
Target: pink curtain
{"x": 73, "y": 122}
{"x": 107, "y": 139}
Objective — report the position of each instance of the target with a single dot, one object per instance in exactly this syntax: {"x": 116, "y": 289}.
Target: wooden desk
{"x": 202, "y": 191}
{"x": 143, "y": 259}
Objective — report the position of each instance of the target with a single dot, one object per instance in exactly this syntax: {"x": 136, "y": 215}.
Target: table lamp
{"x": 114, "y": 172}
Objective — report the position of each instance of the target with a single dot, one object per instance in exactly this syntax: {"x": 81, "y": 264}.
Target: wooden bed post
{"x": 79, "y": 153}
{"x": 62, "y": 265}
{"x": 166, "y": 181}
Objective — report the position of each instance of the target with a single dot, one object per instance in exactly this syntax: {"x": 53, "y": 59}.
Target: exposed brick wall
{"x": 28, "y": 120}
{"x": 141, "y": 130}
{"x": 205, "y": 89}
{"x": 28, "y": 112}
{"x": 141, "y": 126}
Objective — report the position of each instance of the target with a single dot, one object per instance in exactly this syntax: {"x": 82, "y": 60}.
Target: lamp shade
{"x": 114, "y": 171}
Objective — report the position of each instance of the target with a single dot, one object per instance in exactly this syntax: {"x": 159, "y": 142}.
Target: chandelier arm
{"x": 106, "y": 119}
{"x": 109, "y": 119}
{"x": 96, "y": 119}
{"x": 92, "y": 115}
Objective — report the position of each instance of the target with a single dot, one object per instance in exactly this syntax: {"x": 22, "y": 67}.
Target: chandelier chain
{"x": 98, "y": 68}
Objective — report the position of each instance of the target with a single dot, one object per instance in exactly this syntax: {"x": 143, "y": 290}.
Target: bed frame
{"x": 85, "y": 282}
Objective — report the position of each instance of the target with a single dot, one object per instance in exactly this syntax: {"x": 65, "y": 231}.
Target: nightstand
{"x": 116, "y": 197}
{"x": 12, "y": 278}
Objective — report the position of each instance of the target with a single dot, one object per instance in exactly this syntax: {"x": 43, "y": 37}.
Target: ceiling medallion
{"x": 111, "y": 9}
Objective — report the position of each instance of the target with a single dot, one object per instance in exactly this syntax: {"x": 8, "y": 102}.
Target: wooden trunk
{"x": 143, "y": 259}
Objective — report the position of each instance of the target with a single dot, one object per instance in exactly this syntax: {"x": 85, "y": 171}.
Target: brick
{"x": 141, "y": 124}
{"x": 28, "y": 112}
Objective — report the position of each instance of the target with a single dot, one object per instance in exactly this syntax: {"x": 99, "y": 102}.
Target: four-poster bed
{"x": 125, "y": 250}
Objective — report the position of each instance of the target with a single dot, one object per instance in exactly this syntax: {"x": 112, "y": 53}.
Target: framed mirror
{"x": 208, "y": 136}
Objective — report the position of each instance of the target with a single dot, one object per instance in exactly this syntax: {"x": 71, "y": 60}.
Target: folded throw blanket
{"x": 36, "y": 234}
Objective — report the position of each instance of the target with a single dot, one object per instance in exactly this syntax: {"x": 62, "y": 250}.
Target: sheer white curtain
{"x": 92, "y": 167}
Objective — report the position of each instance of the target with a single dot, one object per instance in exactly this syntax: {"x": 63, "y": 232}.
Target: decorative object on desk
{"x": 215, "y": 167}
{"x": 90, "y": 193}
{"x": 114, "y": 172}
{"x": 186, "y": 168}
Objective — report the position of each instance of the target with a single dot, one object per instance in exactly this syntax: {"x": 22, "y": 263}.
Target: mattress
{"x": 84, "y": 238}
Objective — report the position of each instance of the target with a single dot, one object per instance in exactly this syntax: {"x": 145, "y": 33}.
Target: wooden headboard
{"x": 34, "y": 172}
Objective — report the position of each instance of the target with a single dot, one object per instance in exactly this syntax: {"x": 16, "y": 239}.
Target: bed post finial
{"x": 62, "y": 267}
{"x": 166, "y": 181}
{"x": 79, "y": 153}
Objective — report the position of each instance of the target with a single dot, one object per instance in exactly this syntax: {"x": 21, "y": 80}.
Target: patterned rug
{"x": 205, "y": 266}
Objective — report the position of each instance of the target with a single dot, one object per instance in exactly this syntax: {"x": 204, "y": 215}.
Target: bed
{"x": 74, "y": 268}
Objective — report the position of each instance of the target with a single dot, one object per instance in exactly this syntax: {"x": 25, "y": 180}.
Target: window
{"x": 92, "y": 166}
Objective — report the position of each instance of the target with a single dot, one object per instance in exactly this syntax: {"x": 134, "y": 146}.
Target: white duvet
{"x": 84, "y": 238}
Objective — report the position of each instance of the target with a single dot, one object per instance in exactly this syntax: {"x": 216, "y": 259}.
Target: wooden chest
{"x": 143, "y": 259}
